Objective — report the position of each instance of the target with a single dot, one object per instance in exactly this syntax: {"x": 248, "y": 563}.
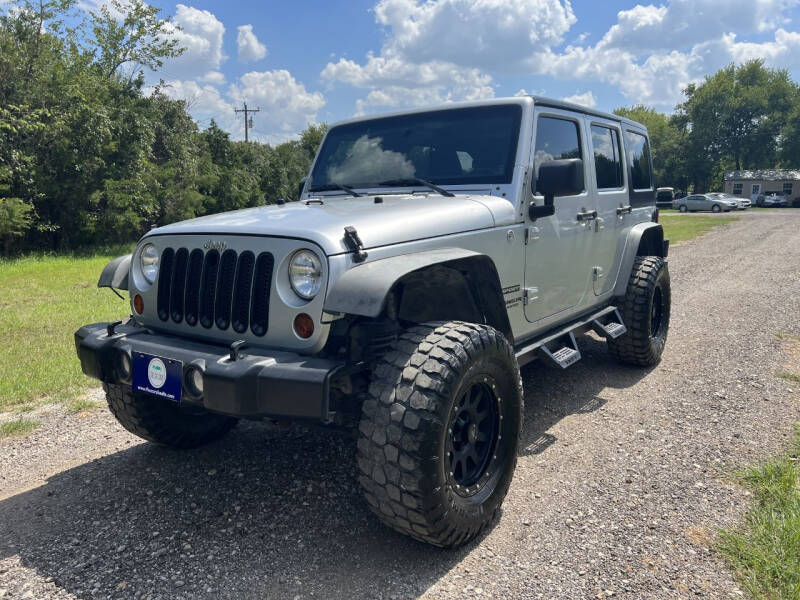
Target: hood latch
{"x": 354, "y": 243}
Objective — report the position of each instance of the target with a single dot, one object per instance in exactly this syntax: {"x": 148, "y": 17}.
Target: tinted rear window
{"x": 639, "y": 160}
{"x": 607, "y": 160}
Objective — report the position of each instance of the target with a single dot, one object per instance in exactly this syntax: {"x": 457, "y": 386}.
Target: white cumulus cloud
{"x": 441, "y": 50}
{"x": 585, "y": 99}
{"x": 201, "y": 34}
{"x": 285, "y": 104}
{"x": 250, "y": 49}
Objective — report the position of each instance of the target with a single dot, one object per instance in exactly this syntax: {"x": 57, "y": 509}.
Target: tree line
{"x": 89, "y": 155}
{"x": 742, "y": 117}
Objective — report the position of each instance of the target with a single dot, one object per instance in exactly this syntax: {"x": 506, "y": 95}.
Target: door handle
{"x": 586, "y": 216}
{"x": 624, "y": 209}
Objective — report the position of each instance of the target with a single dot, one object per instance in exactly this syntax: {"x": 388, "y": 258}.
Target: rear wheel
{"x": 162, "y": 421}
{"x": 439, "y": 433}
{"x": 716, "y": 208}
{"x": 646, "y": 312}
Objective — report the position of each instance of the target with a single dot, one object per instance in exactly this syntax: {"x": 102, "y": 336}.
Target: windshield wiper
{"x": 336, "y": 186}
{"x": 416, "y": 180}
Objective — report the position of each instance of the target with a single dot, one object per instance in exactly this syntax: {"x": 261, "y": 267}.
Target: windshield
{"x": 446, "y": 147}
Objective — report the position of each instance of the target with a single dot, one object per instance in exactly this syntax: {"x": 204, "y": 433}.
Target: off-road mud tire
{"x": 162, "y": 421}
{"x": 643, "y": 343}
{"x": 414, "y": 397}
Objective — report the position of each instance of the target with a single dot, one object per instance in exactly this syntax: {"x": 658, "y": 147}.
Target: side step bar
{"x": 567, "y": 353}
{"x": 561, "y": 347}
{"x": 609, "y": 325}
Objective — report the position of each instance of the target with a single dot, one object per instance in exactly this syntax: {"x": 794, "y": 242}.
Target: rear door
{"x": 612, "y": 200}
{"x": 559, "y": 250}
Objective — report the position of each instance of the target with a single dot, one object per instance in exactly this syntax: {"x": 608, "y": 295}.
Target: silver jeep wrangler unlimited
{"x": 431, "y": 254}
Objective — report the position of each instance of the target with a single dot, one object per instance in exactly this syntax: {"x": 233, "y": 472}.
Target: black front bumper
{"x": 259, "y": 383}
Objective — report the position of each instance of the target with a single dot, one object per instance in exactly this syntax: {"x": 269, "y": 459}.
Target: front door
{"x": 754, "y": 192}
{"x": 558, "y": 257}
{"x": 613, "y": 200}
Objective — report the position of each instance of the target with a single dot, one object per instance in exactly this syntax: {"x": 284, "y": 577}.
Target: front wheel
{"x": 439, "y": 433}
{"x": 163, "y": 421}
{"x": 683, "y": 208}
{"x": 645, "y": 311}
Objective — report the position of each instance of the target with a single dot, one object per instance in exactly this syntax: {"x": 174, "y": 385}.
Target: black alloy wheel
{"x": 472, "y": 437}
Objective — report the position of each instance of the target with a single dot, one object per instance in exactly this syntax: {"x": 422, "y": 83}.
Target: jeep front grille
{"x": 226, "y": 290}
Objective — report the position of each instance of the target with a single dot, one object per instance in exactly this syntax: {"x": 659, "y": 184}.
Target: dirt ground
{"x": 624, "y": 475}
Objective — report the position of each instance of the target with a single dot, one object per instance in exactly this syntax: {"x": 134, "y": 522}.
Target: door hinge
{"x": 530, "y": 294}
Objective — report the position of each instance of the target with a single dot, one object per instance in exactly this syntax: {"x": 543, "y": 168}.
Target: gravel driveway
{"x": 623, "y": 477}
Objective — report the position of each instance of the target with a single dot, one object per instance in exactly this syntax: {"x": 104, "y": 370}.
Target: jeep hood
{"x": 398, "y": 218}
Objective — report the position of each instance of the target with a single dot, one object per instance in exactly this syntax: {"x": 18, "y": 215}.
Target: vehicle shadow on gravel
{"x": 263, "y": 513}
{"x": 552, "y": 394}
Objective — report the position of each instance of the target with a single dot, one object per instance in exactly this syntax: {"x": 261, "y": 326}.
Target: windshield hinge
{"x": 354, "y": 243}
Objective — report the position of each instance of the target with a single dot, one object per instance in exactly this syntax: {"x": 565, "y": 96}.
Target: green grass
{"x": 43, "y": 300}
{"x": 787, "y": 337}
{"x": 789, "y": 376}
{"x": 17, "y": 427}
{"x": 765, "y": 551}
{"x": 680, "y": 228}
{"x": 81, "y": 405}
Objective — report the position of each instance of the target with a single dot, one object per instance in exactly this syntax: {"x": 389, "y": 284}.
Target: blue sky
{"x": 312, "y": 61}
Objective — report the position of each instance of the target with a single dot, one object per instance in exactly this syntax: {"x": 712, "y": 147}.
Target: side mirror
{"x": 562, "y": 177}
{"x": 301, "y": 185}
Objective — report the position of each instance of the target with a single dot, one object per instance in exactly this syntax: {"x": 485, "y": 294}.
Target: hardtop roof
{"x": 562, "y": 104}
{"x": 540, "y": 100}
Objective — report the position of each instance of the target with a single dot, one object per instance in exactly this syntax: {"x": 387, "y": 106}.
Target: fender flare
{"x": 115, "y": 274}
{"x": 364, "y": 289}
{"x": 652, "y": 234}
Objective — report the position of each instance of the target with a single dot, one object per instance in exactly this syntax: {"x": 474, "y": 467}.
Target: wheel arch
{"x": 115, "y": 274}
{"x": 433, "y": 285}
{"x": 644, "y": 239}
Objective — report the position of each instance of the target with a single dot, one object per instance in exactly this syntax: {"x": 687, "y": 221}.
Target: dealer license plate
{"x": 157, "y": 376}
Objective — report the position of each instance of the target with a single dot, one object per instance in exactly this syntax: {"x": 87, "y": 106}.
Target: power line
{"x": 248, "y": 121}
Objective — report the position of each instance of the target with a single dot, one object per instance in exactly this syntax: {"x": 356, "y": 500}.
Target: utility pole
{"x": 248, "y": 121}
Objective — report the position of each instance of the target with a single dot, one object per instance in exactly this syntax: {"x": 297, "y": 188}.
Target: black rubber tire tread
{"x": 160, "y": 421}
{"x": 401, "y": 430}
{"x": 637, "y": 346}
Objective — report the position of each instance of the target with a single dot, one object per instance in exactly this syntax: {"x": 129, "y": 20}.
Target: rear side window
{"x": 639, "y": 160}
{"x": 555, "y": 139}
{"x": 607, "y": 157}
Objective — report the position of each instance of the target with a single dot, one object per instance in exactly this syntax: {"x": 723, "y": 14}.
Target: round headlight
{"x": 305, "y": 274}
{"x": 149, "y": 261}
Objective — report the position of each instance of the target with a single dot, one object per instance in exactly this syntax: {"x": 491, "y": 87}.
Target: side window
{"x": 787, "y": 188}
{"x": 737, "y": 189}
{"x": 607, "y": 157}
{"x": 555, "y": 139}
{"x": 639, "y": 160}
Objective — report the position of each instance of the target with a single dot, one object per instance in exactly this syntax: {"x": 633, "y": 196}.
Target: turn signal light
{"x": 304, "y": 326}
{"x": 138, "y": 304}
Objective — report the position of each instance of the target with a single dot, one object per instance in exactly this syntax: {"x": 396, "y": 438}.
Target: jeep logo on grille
{"x": 212, "y": 245}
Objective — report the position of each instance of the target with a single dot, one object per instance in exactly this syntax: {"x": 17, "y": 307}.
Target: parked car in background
{"x": 710, "y": 202}
{"x": 665, "y": 196}
{"x": 772, "y": 200}
{"x": 741, "y": 203}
